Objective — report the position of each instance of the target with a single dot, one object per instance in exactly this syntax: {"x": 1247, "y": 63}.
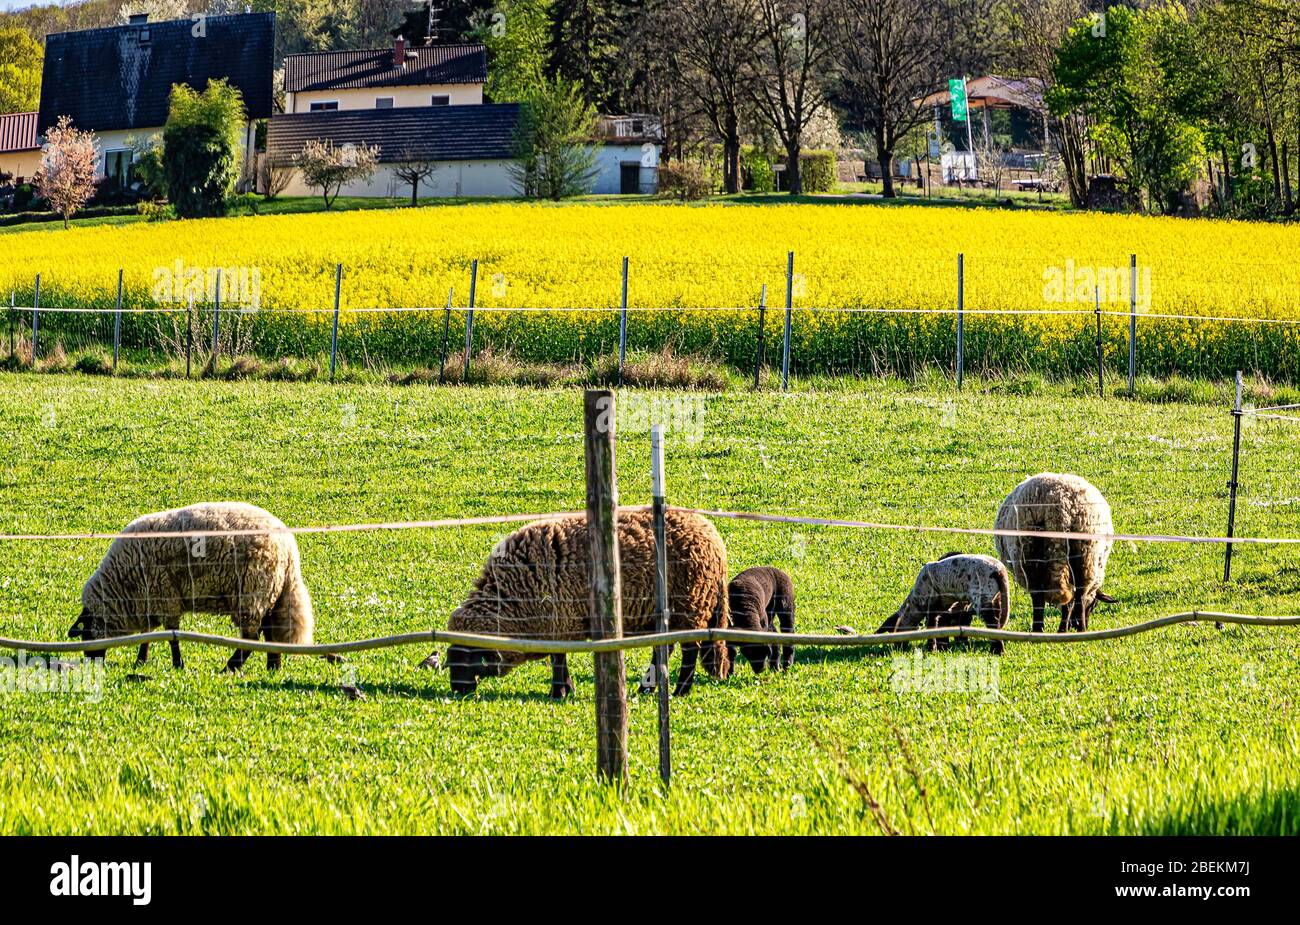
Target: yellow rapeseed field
{"x": 694, "y": 257}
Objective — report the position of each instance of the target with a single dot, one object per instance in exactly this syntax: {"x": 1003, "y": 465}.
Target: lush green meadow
{"x": 1186, "y": 729}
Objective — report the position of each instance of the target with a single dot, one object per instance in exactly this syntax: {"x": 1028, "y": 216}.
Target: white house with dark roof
{"x": 425, "y": 103}
{"x": 117, "y": 81}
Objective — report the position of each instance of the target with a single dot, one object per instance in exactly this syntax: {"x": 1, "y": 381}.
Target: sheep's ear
{"x": 1105, "y": 598}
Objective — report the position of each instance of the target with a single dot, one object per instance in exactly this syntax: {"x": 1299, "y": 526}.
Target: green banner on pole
{"x": 957, "y": 93}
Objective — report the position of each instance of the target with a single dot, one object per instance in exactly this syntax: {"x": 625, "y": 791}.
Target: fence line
{"x": 647, "y": 641}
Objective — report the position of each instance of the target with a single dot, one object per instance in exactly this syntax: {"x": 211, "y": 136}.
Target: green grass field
{"x": 1183, "y": 730}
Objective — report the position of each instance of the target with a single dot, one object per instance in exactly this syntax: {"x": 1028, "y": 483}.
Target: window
{"x": 440, "y": 99}
{"x": 325, "y": 107}
{"x": 117, "y": 167}
{"x": 384, "y": 102}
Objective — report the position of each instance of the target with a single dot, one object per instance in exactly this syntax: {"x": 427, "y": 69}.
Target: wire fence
{"x": 788, "y": 337}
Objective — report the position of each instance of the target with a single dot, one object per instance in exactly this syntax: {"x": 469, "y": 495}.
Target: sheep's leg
{"x": 990, "y": 616}
{"x": 177, "y": 662}
{"x": 237, "y": 660}
{"x": 932, "y": 623}
{"x": 1039, "y": 604}
{"x": 1066, "y": 614}
{"x": 561, "y": 681}
{"x": 143, "y": 655}
{"x": 686, "y": 673}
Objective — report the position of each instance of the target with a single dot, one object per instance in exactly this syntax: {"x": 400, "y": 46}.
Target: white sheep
{"x": 1066, "y": 573}
{"x": 255, "y": 578}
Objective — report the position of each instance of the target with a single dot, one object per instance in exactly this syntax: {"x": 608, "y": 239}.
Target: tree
{"x": 712, "y": 45}
{"x": 412, "y": 170}
{"x": 794, "y": 55}
{"x": 516, "y": 36}
{"x": 20, "y": 71}
{"x": 66, "y": 176}
{"x": 201, "y": 148}
{"x": 586, "y": 42}
{"x": 329, "y": 168}
{"x": 891, "y": 54}
{"x": 554, "y": 157}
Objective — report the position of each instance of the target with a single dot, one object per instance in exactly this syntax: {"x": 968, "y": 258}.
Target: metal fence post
{"x": 334, "y": 335}
{"x": 1101, "y": 387}
{"x": 117, "y": 321}
{"x": 661, "y": 598}
{"x": 36, "y": 315}
{"x": 469, "y": 319}
{"x": 605, "y": 596}
{"x": 189, "y": 333}
{"x": 622, "y": 328}
{"x": 1232, "y": 483}
{"x": 13, "y": 344}
{"x": 216, "y": 322}
{"x": 762, "y": 317}
{"x": 1132, "y": 321}
{"x": 961, "y": 317}
{"x": 446, "y": 331}
{"x": 789, "y": 307}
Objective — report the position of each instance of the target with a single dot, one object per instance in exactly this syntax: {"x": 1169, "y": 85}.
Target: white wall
{"x": 610, "y": 159}
{"x": 117, "y": 140}
{"x": 450, "y": 178}
{"x": 20, "y": 163}
{"x": 403, "y": 97}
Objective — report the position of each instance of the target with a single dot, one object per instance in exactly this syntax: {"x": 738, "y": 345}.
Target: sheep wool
{"x": 255, "y": 578}
{"x": 536, "y": 581}
{"x": 1066, "y": 573}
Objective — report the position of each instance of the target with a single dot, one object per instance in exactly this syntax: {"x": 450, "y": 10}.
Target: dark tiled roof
{"x": 18, "y": 132}
{"x": 426, "y": 64}
{"x": 425, "y": 133}
{"x": 118, "y": 78}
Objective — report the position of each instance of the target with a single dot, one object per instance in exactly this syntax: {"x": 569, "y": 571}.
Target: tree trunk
{"x": 415, "y": 193}
{"x": 885, "y": 154}
{"x": 793, "y": 171}
{"x": 731, "y": 155}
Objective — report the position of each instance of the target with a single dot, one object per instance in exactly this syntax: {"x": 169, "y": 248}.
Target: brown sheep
{"x": 536, "y": 581}
{"x": 1065, "y": 573}
{"x": 762, "y": 598}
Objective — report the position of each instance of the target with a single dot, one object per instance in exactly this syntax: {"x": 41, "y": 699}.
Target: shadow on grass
{"x": 1271, "y": 812}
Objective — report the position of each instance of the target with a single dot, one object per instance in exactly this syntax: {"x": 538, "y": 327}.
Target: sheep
{"x": 535, "y": 584}
{"x": 254, "y": 578}
{"x": 1061, "y": 572}
{"x": 945, "y": 585}
{"x": 762, "y": 598}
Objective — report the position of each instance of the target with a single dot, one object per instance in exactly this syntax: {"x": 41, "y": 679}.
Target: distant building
{"x": 117, "y": 82}
{"x": 20, "y": 155}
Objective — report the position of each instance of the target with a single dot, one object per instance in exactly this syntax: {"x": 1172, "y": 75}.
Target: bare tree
{"x": 794, "y": 54}
{"x": 412, "y": 170}
{"x": 66, "y": 177}
{"x": 892, "y": 53}
{"x": 714, "y": 44}
{"x": 329, "y": 168}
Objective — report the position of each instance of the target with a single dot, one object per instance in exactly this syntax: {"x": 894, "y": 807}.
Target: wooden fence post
{"x": 216, "y": 323}
{"x": 789, "y": 307}
{"x": 36, "y": 315}
{"x": 961, "y": 317}
{"x": 1132, "y": 321}
{"x": 606, "y": 594}
{"x": 469, "y": 319}
{"x": 1101, "y": 368}
{"x": 334, "y": 335}
{"x": 661, "y": 598}
{"x": 762, "y": 318}
{"x": 117, "y": 322}
{"x": 446, "y": 331}
{"x": 1232, "y": 483}
{"x": 622, "y": 328}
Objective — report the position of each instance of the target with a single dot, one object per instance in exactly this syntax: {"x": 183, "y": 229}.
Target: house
{"x": 425, "y": 103}
{"x": 20, "y": 155}
{"x": 117, "y": 81}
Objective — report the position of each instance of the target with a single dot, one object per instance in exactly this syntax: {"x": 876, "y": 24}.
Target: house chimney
{"x": 399, "y": 52}
{"x": 138, "y": 19}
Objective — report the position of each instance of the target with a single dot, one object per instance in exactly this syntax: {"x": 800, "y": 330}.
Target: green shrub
{"x": 201, "y": 148}
{"x": 757, "y": 167}
{"x": 685, "y": 180}
{"x": 817, "y": 171}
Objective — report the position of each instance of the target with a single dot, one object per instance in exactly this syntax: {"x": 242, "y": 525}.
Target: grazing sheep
{"x": 256, "y": 579}
{"x": 952, "y": 589}
{"x": 762, "y": 598}
{"x": 1065, "y": 573}
{"x": 536, "y": 581}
